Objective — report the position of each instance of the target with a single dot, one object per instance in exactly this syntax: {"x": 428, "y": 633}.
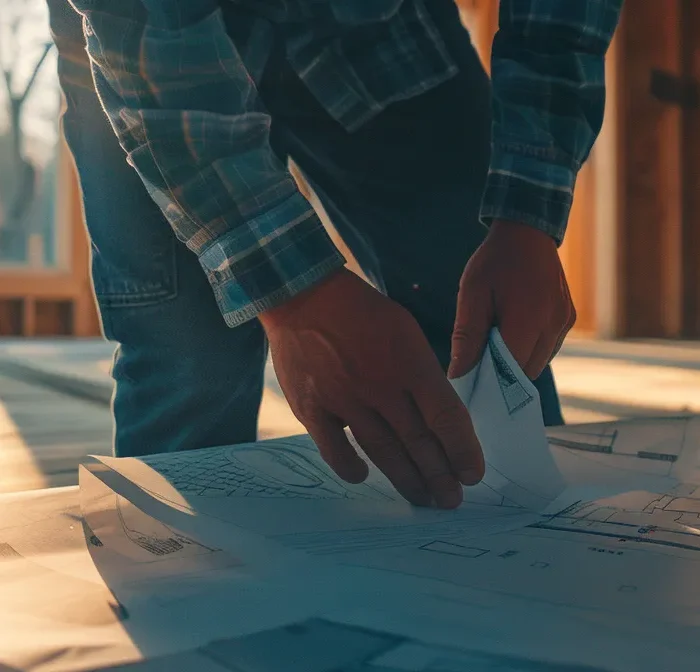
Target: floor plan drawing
{"x": 671, "y": 519}
{"x": 632, "y": 554}
{"x": 631, "y": 444}
{"x": 289, "y": 468}
{"x": 593, "y": 441}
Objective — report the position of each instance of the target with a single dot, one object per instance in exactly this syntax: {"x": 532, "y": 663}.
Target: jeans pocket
{"x": 141, "y": 271}
{"x": 133, "y": 247}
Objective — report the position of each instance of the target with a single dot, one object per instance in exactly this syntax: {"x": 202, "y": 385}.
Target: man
{"x": 387, "y": 111}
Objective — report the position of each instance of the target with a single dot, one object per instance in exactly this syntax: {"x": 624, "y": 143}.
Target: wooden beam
{"x": 578, "y": 253}
{"x": 70, "y": 281}
{"x": 29, "y": 317}
{"x": 649, "y": 213}
{"x": 690, "y": 175}
{"x": 86, "y": 321}
{"x": 604, "y": 164}
{"x": 25, "y": 282}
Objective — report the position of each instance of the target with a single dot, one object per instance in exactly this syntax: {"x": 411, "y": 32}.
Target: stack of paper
{"x": 577, "y": 551}
{"x": 588, "y": 529}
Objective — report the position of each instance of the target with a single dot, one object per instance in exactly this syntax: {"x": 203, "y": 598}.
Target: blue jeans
{"x": 403, "y": 192}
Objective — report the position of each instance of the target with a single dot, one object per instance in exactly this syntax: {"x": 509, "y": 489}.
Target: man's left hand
{"x": 514, "y": 281}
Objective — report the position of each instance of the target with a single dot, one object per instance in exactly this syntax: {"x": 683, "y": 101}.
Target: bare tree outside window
{"x": 28, "y": 113}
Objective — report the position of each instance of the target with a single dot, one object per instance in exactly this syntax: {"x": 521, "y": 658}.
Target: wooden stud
{"x": 690, "y": 175}
{"x": 649, "y": 213}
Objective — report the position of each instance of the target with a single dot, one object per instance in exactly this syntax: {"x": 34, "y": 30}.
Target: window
{"x": 29, "y": 107}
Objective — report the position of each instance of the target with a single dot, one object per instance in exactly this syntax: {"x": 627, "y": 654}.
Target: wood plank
{"x": 649, "y": 231}
{"x": 40, "y": 283}
{"x": 70, "y": 281}
{"x": 578, "y": 253}
{"x": 86, "y": 321}
{"x": 690, "y": 176}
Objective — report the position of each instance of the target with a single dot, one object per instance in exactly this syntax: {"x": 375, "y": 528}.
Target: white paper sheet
{"x": 507, "y": 416}
{"x": 94, "y": 583}
{"x": 650, "y": 453}
{"x": 590, "y": 529}
{"x": 56, "y": 612}
{"x": 541, "y": 469}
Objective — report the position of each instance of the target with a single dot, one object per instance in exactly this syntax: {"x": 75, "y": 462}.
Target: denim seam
{"x": 168, "y": 292}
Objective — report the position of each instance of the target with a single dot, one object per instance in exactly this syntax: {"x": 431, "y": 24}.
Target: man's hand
{"x": 514, "y": 281}
{"x": 345, "y": 355}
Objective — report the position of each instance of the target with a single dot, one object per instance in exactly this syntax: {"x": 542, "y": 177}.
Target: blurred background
{"x": 630, "y": 253}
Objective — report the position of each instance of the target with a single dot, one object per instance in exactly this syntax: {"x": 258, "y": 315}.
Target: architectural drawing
{"x": 671, "y": 520}
{"x": 600, "y": 440}
{"x": 497, "y": 489}
{"x": 449, "y": 548}
{"x": 515, "y": 394}
{"x": 653, "y": 454}
{"x": 629, "y": 556}
{"x": 289, "y": 468}
{"x": 153, "y": 537}
{"x": 378, "y": 534}
{"x": 663, "y": 439}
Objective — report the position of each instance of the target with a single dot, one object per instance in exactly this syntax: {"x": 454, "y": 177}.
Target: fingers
{"x": 521, "y": 335}
{"x": 337, "y": 452}
{"x": 569, "y": 324}
{"x": 551, "y": 340}
{"x": 424, "y": 449}
{"x": 546, "y": 349}
{"x": 541, "y": 355}
{"x": 448, "y": 420}
{"x": 475, "y": 316}
{"x": 385, "y": 449}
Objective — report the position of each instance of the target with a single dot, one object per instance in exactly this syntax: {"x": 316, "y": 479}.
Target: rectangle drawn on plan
{"x": 448, "y": 548}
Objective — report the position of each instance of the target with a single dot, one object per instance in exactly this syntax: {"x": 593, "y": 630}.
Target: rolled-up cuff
{"x": 528, "y": 189}
{"x": 291, "y": 252}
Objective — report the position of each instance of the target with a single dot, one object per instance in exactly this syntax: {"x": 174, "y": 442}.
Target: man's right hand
{"x": 347, "y": 356}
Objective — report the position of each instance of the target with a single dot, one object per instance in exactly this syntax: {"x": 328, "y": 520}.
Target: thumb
{"x": 475, "y": 316}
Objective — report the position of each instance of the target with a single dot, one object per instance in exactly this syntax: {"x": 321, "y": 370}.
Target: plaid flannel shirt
{"x": 178, "y": 86}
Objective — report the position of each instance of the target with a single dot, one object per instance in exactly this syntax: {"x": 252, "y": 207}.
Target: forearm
{"x": 189, "y": 119}
{"x": 548, "y": 73}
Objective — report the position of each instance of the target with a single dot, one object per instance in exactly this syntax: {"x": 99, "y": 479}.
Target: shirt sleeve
{"x": 548, "y": 79}
{"x": 188, "y": 115}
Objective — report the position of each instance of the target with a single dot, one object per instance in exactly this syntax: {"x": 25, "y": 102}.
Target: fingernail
{"x": 470, "y": 477}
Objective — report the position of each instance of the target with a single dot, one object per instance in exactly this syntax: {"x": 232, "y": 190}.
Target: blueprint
{"x": 287, "y": 468}
{"x": 87, "y": 581}
{"x": 655, "y": 453}
{"x": 60, "y": 612}
{"x": 586, "y": 529}
{"x": 274, "y": 487}
{"x": 506, "y": 412}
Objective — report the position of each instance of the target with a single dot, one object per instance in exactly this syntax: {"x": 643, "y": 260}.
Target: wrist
{"x": 285, "y": 312}
{"x": 519, "y": 231}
